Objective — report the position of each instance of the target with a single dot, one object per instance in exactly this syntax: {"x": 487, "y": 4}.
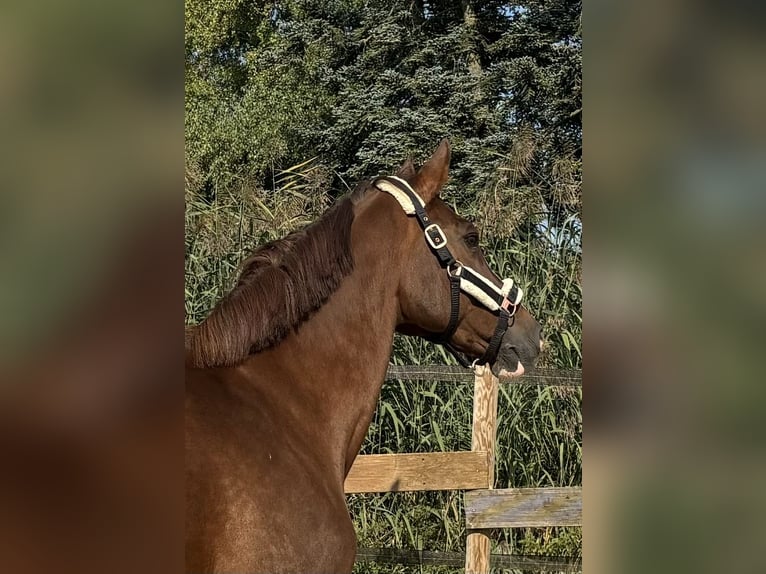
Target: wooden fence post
{"x": 483, "y": 439}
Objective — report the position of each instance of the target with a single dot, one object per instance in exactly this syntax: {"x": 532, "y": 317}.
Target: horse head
{"x": 448, "y": 293}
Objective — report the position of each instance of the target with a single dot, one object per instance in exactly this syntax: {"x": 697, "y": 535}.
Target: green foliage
{"x": 363, "y": 84}
{"x": 290, "y": 103}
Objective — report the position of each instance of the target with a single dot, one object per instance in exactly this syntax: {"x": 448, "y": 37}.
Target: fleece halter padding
{"x": 486, "y": 292}
{"x": 404, "y": 199}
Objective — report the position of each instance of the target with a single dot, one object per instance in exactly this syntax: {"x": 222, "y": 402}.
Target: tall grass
{"x": 539, "y": 428}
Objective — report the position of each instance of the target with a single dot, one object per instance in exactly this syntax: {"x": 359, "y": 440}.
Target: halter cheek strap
{"x": 503, "y": 301}
{"x": 414, "y": 205}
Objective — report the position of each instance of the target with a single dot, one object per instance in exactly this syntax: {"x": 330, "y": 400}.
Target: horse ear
{"x": 433, "y": 175}
{"x": 407, "y": 171}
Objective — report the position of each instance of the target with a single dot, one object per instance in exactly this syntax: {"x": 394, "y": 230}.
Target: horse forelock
{"x": 281, "y": 284}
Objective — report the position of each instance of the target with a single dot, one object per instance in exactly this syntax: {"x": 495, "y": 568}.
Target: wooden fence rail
{"x": 548, "y": 377}
{"x": 429, "y": 471}
{"x": 457, "y": 559}
{"x": 473, "y": 471}
{"x": 523, "y": 507}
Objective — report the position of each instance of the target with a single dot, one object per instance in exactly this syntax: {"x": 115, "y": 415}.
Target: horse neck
{"x": 336, "y": 361}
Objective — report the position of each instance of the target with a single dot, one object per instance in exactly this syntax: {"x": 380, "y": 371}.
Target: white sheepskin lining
{"x": 469, "y": 287}
{"x": 403, "y": 199}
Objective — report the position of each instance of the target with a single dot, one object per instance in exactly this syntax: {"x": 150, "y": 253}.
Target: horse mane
{"x": 281, "y": 284}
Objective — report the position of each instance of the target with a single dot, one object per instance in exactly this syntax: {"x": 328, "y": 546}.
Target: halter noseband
{"x": 503, "y": 302}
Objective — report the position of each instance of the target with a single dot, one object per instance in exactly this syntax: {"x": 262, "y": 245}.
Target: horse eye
{"x": 472, "y": 241}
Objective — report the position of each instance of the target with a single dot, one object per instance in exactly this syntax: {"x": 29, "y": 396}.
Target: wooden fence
{"x": 473, "y": 471}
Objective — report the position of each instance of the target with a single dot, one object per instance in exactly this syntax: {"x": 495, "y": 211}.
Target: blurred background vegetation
{"x": 289, "y": 104}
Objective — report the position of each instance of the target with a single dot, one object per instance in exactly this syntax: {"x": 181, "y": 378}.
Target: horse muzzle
{"x": 518, "y": 352}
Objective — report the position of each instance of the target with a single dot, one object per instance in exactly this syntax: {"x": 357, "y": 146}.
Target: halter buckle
{"x": 507, "y": 304}
{"x": 435, "y": 236}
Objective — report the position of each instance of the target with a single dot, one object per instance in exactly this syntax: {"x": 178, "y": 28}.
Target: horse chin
{"x": 505, "y": 373}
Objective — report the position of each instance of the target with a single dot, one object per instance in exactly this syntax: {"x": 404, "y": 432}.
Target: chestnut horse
{"x": 284, "y": 374}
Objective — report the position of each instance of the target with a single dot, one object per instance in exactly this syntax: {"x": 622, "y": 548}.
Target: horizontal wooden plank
{"x": 457, "y": 559}
{"x": 451, "y": 373}
{"x": 523, "y": 507}
{"x": 426, "y": 471}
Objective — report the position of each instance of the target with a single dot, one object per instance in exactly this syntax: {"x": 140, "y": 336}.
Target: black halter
{"x": 457, "y": 273}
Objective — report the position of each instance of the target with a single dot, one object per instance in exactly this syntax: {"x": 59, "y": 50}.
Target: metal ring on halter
{"x": 457, "y": 264}
{"x": 506, "y": 304}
